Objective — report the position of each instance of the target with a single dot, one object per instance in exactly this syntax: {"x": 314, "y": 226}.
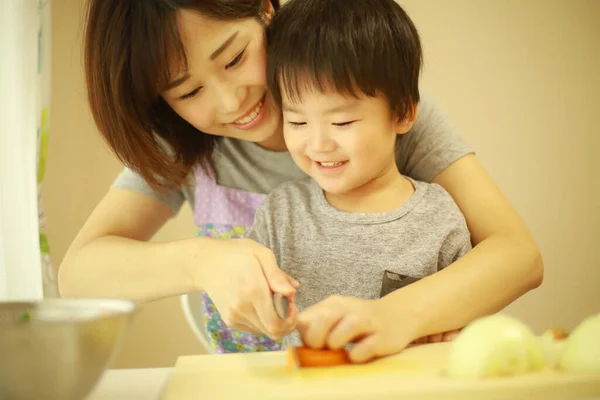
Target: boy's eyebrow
{"x": 223, "y": 46}
{"x": 349, "y": 106}
{"x": 289, "y": 108}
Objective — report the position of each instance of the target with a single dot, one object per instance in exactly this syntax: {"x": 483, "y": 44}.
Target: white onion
{"x": 493, "y": 346}
{"x": 581, "y": 352}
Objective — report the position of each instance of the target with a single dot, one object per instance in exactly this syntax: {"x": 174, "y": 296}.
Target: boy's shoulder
{"x": 290, "y": 193}
{"x": 437, "y": 205}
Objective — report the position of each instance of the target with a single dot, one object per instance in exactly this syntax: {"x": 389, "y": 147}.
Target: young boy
{"x": 345, "y": 74}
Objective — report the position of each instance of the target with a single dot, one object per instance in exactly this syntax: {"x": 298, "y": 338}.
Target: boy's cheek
{"x": 292, "y": 139}
{"x": 296, "y": 148}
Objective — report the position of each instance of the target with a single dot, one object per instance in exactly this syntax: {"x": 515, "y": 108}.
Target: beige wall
{"x": 520, "y": 79}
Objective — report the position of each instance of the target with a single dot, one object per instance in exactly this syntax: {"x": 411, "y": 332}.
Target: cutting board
{"x": 416, "y": 373}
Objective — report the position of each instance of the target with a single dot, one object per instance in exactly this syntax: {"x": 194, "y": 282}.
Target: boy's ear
{"x": 269, "y": 11}
{"x": 406, "y": 124}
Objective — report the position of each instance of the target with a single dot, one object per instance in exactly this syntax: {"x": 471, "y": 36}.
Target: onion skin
{"x": 581, "y": 352}
{"x": 494, "y": 346}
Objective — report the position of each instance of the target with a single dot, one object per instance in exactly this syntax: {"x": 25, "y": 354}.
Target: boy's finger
{"x": 365, "y": 350}
{"x": 350, "y": 328}
{"x": 314, "y": 326}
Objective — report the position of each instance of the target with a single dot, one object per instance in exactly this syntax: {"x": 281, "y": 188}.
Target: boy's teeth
{"x": 252, "y": 116}
{"x": 331, "y": 164}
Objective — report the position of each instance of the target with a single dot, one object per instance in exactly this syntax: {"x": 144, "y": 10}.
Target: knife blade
{"x": 282, "y": 305}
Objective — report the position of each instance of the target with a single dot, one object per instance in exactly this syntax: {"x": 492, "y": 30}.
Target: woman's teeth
{"x": 331, "y": 163}
{"x": 252, "y": 116}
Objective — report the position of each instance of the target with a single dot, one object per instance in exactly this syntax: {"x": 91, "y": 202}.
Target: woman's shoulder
{"x": 173, "y": 198}
{"x": 433, "y": 143}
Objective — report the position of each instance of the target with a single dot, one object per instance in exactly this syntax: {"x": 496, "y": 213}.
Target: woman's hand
{"x": 240, "y": 276}
{"x": 439, "y": 337}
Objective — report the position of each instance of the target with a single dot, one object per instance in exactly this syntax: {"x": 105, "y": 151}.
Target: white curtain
{"x": 25, "y": 271}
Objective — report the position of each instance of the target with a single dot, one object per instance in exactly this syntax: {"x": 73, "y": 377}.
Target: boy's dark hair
{"x": 346, "y": 45}
{"x": 128, "y": 47}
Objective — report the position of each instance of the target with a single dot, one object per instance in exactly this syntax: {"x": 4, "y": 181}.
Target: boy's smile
{"x": 346, "y": 144}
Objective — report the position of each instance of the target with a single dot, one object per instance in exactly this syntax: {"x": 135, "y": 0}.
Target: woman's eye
{"x": 296, "y": 125}
{"x": 190, "y": 94}
{"x": 236, "y": 60}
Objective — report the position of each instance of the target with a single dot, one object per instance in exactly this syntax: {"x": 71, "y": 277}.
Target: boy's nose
{"x": 321, "y": 142}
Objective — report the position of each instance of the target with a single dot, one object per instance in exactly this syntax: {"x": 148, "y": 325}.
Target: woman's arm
{"x": 504, "y": 264}
{"x": 111, "y": 255}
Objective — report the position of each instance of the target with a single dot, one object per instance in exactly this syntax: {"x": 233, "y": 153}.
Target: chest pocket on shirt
{"x": 393, "y": 281}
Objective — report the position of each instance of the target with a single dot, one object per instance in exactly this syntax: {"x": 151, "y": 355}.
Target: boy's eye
{"x": 236, "y": 60}
{"x": 296, "y": 125}
{"x": 347, "y": 123}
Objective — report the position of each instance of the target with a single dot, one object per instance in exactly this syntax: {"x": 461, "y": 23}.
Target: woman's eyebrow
{"x": 215, "y": 54}
{"x": 223, "y": 47}
{"x": 177, "y": 82}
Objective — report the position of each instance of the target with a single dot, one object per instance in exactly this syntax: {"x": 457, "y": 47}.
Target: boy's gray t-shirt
{"x": 332, "y": 252}
{"x": 428, "y": 148}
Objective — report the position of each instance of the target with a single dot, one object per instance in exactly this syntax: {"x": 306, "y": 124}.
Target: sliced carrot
{"x": 307, "y": 357}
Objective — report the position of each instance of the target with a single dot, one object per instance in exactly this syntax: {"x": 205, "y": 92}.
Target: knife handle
{"x": 282, "y": 305}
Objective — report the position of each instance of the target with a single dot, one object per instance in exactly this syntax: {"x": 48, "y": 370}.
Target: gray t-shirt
{"x": 427, "y": 149}
{"x": 336, "y": 252}
{"x": 332, "y": 252}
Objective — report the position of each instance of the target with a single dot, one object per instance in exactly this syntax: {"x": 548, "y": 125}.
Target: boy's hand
{"x": 339, "y": 320}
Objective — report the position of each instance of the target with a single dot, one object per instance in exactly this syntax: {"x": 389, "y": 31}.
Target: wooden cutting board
{"x": 416, "y": 373}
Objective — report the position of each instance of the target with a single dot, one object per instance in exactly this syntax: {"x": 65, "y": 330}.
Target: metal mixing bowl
{"x": 57, "y": 349}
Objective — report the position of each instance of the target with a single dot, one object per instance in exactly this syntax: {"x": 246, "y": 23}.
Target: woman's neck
{"x": 274, "y": 143}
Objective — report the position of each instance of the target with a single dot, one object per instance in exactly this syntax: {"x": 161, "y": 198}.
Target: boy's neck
{"x": 382, "y": 194}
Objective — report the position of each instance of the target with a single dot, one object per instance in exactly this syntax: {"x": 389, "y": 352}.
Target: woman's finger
{"x": 247, "y": 322}
{"x": 277, "y": 280}
{"x": 264, "y": 309}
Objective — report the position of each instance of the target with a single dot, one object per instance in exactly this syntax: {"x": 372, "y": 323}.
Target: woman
{"x": 177, "y": 88}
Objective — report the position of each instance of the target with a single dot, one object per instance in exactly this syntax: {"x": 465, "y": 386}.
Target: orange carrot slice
{"x": 307, "y": 357}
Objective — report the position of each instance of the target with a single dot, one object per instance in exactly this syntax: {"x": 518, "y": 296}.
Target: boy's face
{"x": 342, "y": 142}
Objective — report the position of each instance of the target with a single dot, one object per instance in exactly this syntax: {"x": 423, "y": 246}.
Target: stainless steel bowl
{"x": 57, "y": 349}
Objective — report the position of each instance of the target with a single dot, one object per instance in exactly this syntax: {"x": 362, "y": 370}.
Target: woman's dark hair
{"x": 371, "y": 46}
{"x": 128, "y": 48}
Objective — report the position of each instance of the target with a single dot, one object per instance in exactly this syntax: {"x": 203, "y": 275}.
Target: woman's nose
{"x": 230, "y": 98}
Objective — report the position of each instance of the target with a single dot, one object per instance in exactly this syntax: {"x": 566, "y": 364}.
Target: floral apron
{"x": 222, "y": 212}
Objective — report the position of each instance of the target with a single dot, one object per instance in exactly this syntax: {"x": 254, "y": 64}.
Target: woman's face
{"x": 223, "y": 91}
